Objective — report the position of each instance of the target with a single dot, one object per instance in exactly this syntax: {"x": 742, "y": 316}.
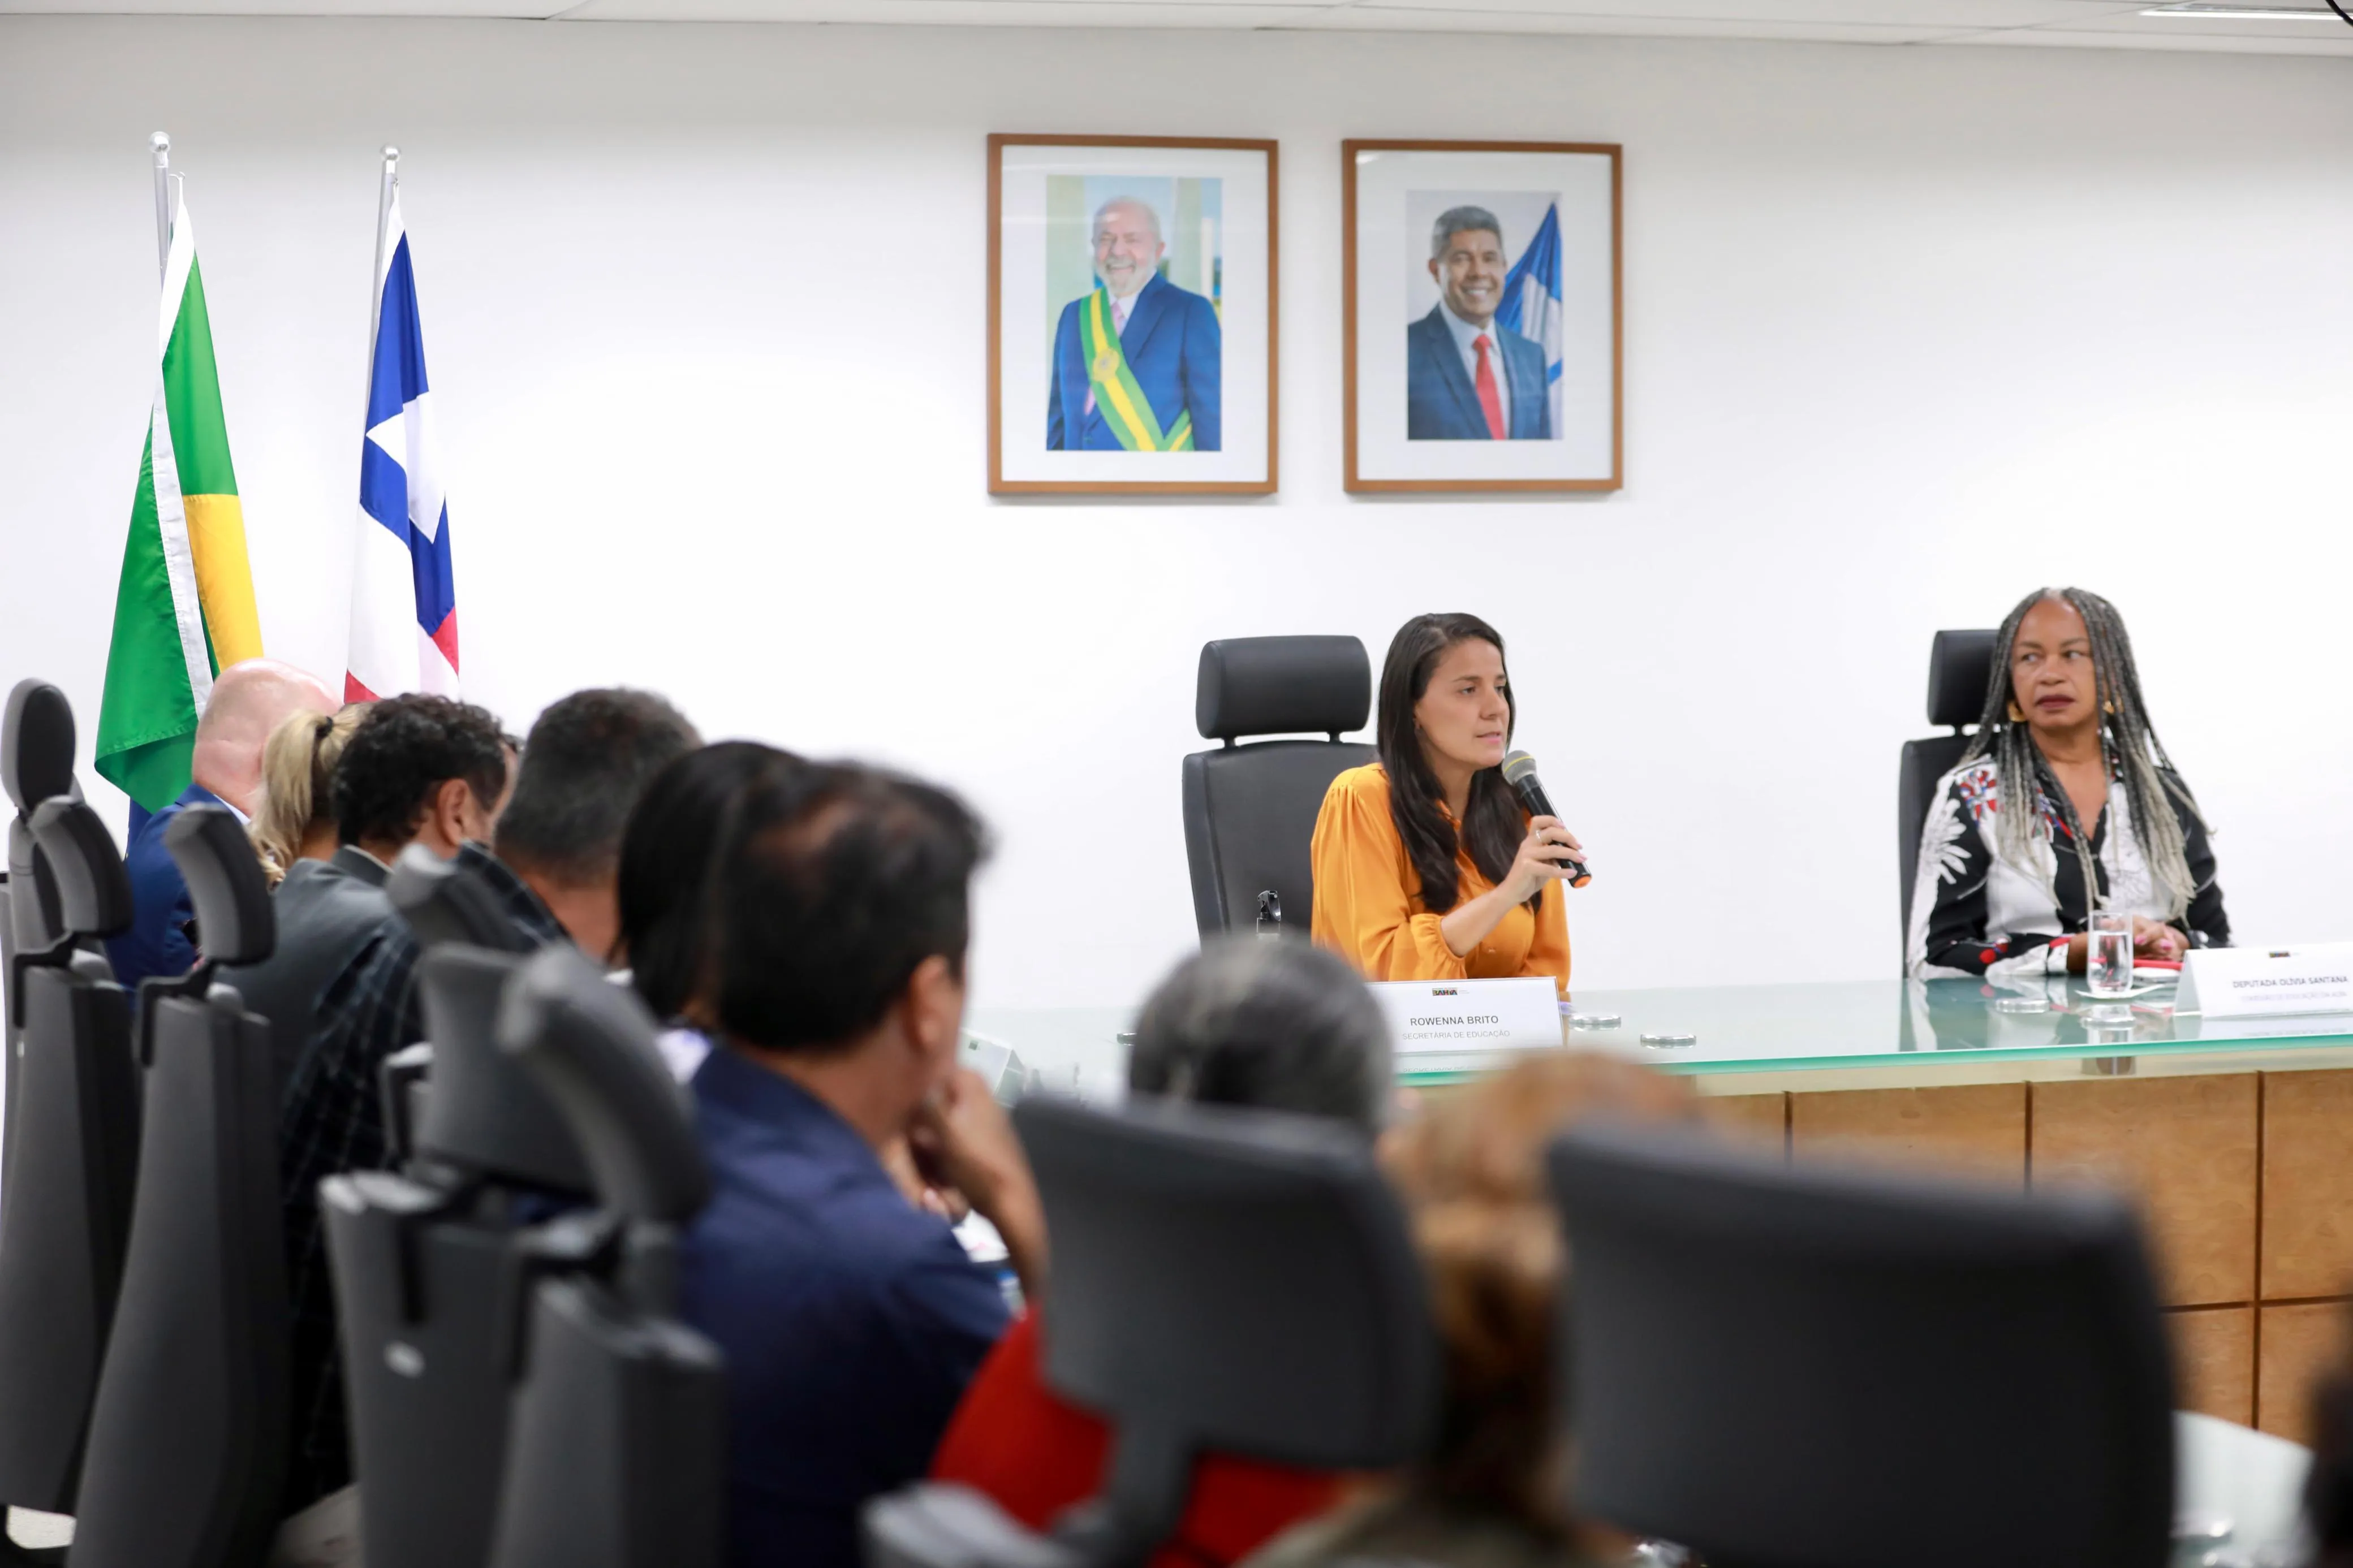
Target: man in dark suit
{"x": 1137, "y": 363}
{"x": 1467, "y": 378}
{"x": 249, "y": 701}
{"x": 419, "y": 769}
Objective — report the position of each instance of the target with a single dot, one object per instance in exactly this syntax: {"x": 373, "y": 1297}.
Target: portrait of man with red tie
{"x": 1470, "y": 376}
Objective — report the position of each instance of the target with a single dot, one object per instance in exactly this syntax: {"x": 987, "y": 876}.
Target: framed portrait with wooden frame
{"x": 1131, "y": 315}
{"x": 1481, "y": 316}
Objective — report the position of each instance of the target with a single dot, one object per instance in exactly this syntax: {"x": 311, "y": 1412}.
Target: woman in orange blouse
{"x": 1426, "y": 866}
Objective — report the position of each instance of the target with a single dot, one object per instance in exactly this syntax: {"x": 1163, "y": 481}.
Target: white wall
{"x": 1908, "y": 333}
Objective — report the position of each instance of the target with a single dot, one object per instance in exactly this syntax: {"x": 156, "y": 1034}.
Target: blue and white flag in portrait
{"x": 1532, "y": 301}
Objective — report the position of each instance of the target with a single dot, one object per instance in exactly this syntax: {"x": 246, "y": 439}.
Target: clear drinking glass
{"x": 2109, "y": 968}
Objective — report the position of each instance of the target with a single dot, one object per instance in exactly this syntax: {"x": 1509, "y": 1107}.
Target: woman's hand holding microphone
{"x": 1550, "y": 853}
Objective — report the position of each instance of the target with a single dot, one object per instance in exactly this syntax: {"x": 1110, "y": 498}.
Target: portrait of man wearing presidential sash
{"x": 1136, "y": 357}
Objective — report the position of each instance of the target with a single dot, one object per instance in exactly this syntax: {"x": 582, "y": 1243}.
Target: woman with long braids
{"x": 2110, "y": 826}
{"x": 1426, "y": 866}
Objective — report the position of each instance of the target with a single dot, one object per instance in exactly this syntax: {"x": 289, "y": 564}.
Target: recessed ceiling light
{"x": 2216, "y": 13}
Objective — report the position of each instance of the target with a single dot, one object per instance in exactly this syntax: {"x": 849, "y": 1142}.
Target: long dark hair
{"x": 1492, "y": 823}
{"x": 666, "y": 854}
{"x": 2128, "y": 744}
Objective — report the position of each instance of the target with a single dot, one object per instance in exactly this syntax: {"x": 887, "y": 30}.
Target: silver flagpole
{"x": 375, "y": 275}
{"x": 161, "y": 144}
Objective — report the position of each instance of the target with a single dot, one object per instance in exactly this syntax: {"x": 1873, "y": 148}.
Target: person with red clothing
{"x": 1272, "y": 1025}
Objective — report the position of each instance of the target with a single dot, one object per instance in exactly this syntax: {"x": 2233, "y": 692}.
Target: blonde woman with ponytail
{"x": 295, "y": 818}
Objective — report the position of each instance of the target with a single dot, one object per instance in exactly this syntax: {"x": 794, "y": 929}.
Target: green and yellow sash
{"x": 1124, "y": 408}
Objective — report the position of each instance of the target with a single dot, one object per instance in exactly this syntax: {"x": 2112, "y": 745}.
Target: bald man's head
{"x": 248, "y": 702}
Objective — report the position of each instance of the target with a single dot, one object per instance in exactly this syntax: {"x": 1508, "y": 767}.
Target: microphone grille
{"x": 1517, "y": 766}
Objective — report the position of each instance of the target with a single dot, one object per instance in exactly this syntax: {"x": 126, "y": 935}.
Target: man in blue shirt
{"x": 249, "y": 701}
{"x": 850, "y": 1315}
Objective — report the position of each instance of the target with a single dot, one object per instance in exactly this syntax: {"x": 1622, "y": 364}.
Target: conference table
{"x": 2236, "y": 1136}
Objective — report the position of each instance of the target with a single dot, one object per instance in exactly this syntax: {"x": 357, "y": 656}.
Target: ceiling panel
{"x": 1417, "y": 17}
{"x": 2076, "y": 24}
{"x": 524, "y": 8}
{"x": 2172, "y": 35}
{"x": 967, "y": 13}
{"x": 1945, "y": 15}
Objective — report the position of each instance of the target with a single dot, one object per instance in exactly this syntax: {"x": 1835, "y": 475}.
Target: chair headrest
{"x": 1238, "y": 1280}
{"x": 236, "y": 922}
{"x": 36, "y": 745}
{"x": 443, "y": 901}
{"x": 589, "y": 1046}
{"x": 1282, "y": 685}
{"x": 1960, "y": 665}
{"x": 1735, "y": 1324}
{"x": 483, "y": 1113}
{"x": 93, "y": 889}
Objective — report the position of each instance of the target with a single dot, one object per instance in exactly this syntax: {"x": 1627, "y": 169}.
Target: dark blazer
{"x": 1443, "y": 405}
{"x": 1175, "y": 349}
{"x": 326, "y": 910}
{"x": 157, "y": 941}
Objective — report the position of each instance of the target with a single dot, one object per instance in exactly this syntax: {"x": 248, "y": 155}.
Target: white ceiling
{"x": 2089, "y": 24}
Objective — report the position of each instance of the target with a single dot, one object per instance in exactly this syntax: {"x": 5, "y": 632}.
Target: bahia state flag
{"x": 1531, "y": 304}
{"x": 404, "y": 633}
{"x": 184, "y": 609}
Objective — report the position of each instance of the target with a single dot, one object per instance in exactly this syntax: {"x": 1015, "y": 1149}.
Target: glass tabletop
{"x": 1763, "y": 1028}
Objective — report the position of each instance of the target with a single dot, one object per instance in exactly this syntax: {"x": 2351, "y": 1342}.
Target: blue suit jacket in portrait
{"x": 1443, "y": 405}
{"x": 1174, "y": 350}
{"x": 156, "y": 944}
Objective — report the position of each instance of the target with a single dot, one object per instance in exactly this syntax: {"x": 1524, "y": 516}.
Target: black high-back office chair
{"x": 1788, "y": 1365}
{"x": 617, "y": 1457}
{"x": 71, "y": 1165}
{"x": 421, "y": 1257}
{"x": 1225, "y": 1280}
{"x": 1250, "y": 811}
{"x": 36, "y": 752}
{"x": 188, "y": 1437}
{"x": 1960, "y": 665}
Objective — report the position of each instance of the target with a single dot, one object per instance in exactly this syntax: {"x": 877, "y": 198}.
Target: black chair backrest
{"x": 235, "y": 923}
{"x": 93, "y": 890}
{"x": 426, "y": 1285}
{"x": 442, "y": 901}
{"x": 36, "y": 745}
{"x": 187, "y": 1435}
{"x": 72, "y": 1158}
{"x": 1230, "y": 1280}
{"x": 1250, "y": 811}
{"x": 37, "y": 750}
{"x": 617, "y": 1450}
{"x": 483, "y": 1113}
{"x": 589, "y": 1046}
{"x": 1776, "y": 1364}
{"x": 1960, "y": 665}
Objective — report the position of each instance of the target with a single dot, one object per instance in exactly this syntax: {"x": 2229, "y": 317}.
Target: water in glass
{"x": 2109, "y": 969}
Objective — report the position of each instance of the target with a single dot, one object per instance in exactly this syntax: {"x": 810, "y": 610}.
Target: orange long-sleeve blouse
{"x": 1369, "y": 906}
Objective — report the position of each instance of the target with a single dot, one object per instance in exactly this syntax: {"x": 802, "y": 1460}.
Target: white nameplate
{"x": 2236, "y": 981}
{"x": 1435, "y": 1016}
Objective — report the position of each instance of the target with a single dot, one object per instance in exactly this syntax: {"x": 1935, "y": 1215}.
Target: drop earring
{"x": 2017, "y": 714}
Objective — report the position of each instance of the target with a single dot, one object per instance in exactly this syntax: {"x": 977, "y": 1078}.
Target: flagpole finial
{"x": 391, "y": 154}
{"x": 161, "y": 144}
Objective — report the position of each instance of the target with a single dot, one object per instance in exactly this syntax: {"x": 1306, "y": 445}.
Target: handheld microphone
{"x": 1519, "y": 773}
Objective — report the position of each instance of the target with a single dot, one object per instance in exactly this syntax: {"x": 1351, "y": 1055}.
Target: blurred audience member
{"x": 248, "y": 702}
{"x": 2328, "y": 1486}
{"x": 294, "y": 817}
{"x": 850, "y": 1317}
{"x": 558, "y": 842}
{"x": 1277, "y": 1025}
{"x": 1471, "y": 1173}
{"x": 663, "y": 879}
{"x": 419, "y": 769}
